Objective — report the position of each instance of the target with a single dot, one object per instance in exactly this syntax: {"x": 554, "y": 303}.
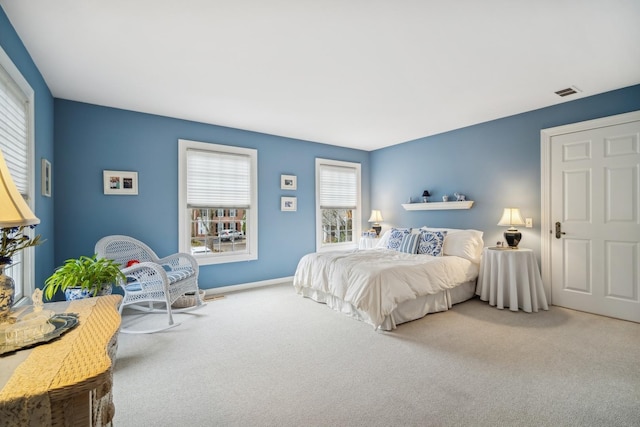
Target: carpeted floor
{"x": 268, "y": 357}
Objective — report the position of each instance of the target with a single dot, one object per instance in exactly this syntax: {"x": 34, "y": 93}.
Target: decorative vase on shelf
{"x": 7, "y": 291}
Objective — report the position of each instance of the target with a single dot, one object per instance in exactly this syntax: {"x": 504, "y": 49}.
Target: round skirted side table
{"x": 511, "y": 278}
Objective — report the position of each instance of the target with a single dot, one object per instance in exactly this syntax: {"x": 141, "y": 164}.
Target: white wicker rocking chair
{"x": 153, "y": 284}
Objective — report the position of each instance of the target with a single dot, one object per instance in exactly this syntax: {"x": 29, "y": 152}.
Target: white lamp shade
{"x": 376, "y": 216}
{"x": 511, "y": 217}
{"x": 14, "y": 211}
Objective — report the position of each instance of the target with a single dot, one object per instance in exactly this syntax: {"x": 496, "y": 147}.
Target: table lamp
{"x": 510, "y": 218}
{"x": 14, "y": 212}
{"x": 376, "y": 218}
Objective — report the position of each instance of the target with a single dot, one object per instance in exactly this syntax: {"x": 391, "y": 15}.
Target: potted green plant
{"x": 84, "y": 277}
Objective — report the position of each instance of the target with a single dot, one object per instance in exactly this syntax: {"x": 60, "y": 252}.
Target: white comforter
{"x": 376, "y": 281}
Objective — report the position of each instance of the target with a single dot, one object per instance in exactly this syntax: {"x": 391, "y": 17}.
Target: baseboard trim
{"x": 245, "y": 286}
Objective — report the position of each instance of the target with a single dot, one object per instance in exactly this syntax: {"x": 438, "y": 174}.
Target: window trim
{"x": 28, "y": 254}
{"x": 357, "y": 226}
{"x": 184, "y": 233}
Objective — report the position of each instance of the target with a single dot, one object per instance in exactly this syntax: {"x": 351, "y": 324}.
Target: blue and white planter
{"x": 75, "y": 293}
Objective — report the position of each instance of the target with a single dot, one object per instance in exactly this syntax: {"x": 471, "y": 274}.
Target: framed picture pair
{"x": 288, "y": 182}
{"x": 120, "y": 182}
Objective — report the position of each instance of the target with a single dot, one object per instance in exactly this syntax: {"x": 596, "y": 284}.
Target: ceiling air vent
{"x": 568, "y": 91}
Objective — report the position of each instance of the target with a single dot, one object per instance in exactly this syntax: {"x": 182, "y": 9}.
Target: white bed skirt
{"x": 405, "y": 312}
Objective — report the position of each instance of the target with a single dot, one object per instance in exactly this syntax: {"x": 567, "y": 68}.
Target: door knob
{"x": 559, "y": 231}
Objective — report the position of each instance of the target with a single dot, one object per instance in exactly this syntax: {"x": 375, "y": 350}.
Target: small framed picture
{"x": 45, "y": 171}
{"x": 288, "y": 204}
{"x": 120, "y": 182}
{"x": 288, "y": 182}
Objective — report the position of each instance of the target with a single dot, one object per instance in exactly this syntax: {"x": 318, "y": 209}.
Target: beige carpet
{"x": 269, "y": 357}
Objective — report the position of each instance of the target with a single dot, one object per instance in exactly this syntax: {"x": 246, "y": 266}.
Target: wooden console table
{"x": 66, "y": 382}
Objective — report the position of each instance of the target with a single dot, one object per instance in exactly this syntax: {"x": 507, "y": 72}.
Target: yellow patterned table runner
{"x": 76, "y": 362}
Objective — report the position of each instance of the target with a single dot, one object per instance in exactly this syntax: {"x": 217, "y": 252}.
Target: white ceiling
{"x": 357, "y": 73}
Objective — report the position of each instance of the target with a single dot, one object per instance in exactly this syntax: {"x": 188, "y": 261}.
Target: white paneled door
{"x": 593, "y": 216}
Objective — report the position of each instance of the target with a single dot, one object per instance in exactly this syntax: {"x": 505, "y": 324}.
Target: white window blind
{"x": 16, "y": 142}
{"x": 14, "y": 131}
{"x": 338, "y": 187}
{"x": 216, "y": 179}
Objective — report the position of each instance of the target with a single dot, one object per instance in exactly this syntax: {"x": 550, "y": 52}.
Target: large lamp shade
{"x": 14, "y": 211}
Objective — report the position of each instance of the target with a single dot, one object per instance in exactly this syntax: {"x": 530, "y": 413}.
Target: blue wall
{"x": 496, "y": 164}
{"x": 90, "y": 139}
{"x": 13, "y": 47}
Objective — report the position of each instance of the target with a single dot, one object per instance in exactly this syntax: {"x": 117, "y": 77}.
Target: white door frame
{"x": 546, "y": 229}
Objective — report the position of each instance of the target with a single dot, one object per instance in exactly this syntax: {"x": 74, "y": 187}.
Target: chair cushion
{"x": 177, "y": 275}
{"x": 133, "y": 287}
{"x": 173, "y": 276}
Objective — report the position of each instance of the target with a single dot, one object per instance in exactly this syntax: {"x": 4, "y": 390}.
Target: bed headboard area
{"x": 465, "y": 244}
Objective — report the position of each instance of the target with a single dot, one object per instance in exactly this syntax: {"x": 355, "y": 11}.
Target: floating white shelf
{"x": 437, "y": 206}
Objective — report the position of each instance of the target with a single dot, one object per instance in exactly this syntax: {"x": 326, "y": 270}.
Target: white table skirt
{"x": 368, "y": 242}
{"x": 511, "y": 278}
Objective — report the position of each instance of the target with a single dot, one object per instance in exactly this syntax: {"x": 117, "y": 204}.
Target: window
{"x": 218, "y": 193}
{"x": 338, "y": 209}
{"x": 16, "y": 143}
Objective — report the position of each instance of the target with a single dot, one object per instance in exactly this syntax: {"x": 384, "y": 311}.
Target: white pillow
{"x": 383, "y": 240}
{"x": 466, "y": 244}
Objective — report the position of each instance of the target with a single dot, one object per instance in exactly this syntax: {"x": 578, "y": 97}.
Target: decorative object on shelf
{"x": 376, "y": 218}
{"x": 460, "y": 197}
{"x": 433, "y": 206}
{"x": 445, "y": 198}
{"x": 288, "y": 182}
{"x": 84, "y": 277}
{"x": 15, "y": 221}
{"x": 288, "y": 204}
{"x": 425, "y": 196}
{"x": 120, "y": 182}
{"x": 510, "y": 218}
{"x": 45, "y": 176}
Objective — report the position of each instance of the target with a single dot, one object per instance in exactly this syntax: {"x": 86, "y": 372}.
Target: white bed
{"x": 385, "y": 286}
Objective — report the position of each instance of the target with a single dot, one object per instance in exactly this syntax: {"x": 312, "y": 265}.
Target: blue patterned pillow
{"x": 395, "y": 237}
{"x": 431, "y": 242}
{"x": 409, "y": 243}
